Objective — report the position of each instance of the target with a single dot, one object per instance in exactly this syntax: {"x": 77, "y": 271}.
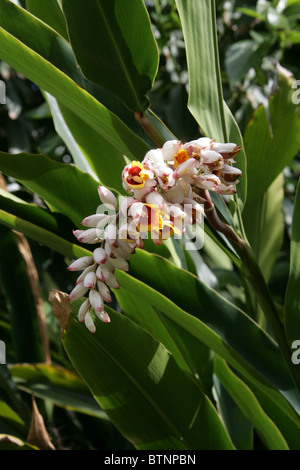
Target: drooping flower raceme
{"x": 165, "y": 196}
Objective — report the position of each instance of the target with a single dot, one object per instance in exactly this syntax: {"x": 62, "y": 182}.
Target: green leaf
{"x": 21, "y": 303}
{"x": 238, "y": 426}
{"x": 272, "y": 139}
{"x": 56, "y": 223}
{"x": 50, "y": 12}
{"x": 181, "y": 297}
{"x": 292, "y": 298}
{"x": 251, "y": 12}
{"x": 41, "y": 235}
{"x": 286, "y": 420}
{"x": 10, "y": 442}
{"x": 46, "y": 58}
{"x": 137, "y": 374}
{"x": 264, "y": 225}
{"x": 64, "y": 187}
{"x": 241, "y": 56}
{"x": 10, "y": 422}
{"x": 205, "y": 87}
{"x": 58, "y": 385}
{"x": 114, "y": 46}
{"x": 90, "y": 151}
{"x": 250, "y": 406}
{"x": 190, "y": 354}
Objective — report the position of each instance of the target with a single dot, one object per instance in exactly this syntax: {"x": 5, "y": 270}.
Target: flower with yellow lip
{"x": 180, "y": 157}
{"x": 156, "y": 221}
{"x": 135, "y": 175}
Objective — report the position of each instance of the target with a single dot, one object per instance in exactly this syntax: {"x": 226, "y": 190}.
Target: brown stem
{"x": 150, "y": 129}
{"x": 214, "y": 220}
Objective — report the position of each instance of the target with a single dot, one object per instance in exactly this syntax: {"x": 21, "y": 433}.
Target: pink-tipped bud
{"x": 104, "y": 291}
{"x": 102, "y": 272}
{"x": 107, "y": 197}
{"x": 89, "y": 323}
{"x": 120, "y": 263}
{"x": 81, "y": 263}
{"x": 78, "y": 233}
{"x": 89, "y": 236}
{"x": 112, "y": 281}
{"x": 125, "y": 204}
{"x": 136, "y": 209}
{"x": 96, "y": 300}
{"x": 103, "y": 316}
{"x": 99, "y": 255}
{"x": 96, "y": 220}
{"x": 85, "y": 272}
{"x": 78, "y": 292}
{"x": 90, "y": 280}
{"x": 83, "y": 310}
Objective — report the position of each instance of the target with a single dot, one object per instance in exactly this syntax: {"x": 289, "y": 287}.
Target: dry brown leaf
{"x": 62, "y": 308}
{"x": 33, "y": 278}
{"x": 38, "y": 435}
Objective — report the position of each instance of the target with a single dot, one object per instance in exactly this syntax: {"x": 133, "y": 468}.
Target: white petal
{"x": 90, "y": 235}
{"x": 120, "y": 263}
{"x": 155, "y": 198}
{"x": 85, "y": 272}
{"x": 96, "y": 220}
{"x": 107, "y": 197}
{"x": 226, "y": 148}
{"x": 155, "y": 155}
{"x": 84, "y": 308}
{"x": 99, "y": 255}
{"x": 81, "y": 263}
{"x": 110, "y": 234}
{"x": 210, "y": 156}
{"x": 125, "y": 204}
{"x": 112, "y": 281}
{"x": 186, "y": 168}
{"x": 90, "y": 280}
{"x": 136, "y": 209}
{"x": 170, "y": 148}
{"x": 102, "y": 272}
{"x": 78, "y": 292}
{"x": 89, "y": 323}
{"x": 103, "y": 316}
{"x": 176, "y": 194}
{"x": 96, "y": 300}
{"x": 104, "y": 291}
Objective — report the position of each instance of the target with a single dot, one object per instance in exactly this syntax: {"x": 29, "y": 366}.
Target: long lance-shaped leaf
{"x": 114, "y": 45}
{"x": 90, "y": 151}
{"x": 50, "y": 12}
{"x": 44, "y": 57}
{"x": 131, "y": 374}
{"x": 205, "y": 87}
{"x": 177, "y": 319}
{"x": 292, "y": 298}
{"x": 250, "y": 406}
{"x": 58, "y": 385}
{"x": 64, "y": 187}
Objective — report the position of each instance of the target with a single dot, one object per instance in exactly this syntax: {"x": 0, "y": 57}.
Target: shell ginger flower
{"x": 165, "y": 196}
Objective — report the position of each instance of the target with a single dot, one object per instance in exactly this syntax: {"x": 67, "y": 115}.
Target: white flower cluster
{"x": 165, "y": 196}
